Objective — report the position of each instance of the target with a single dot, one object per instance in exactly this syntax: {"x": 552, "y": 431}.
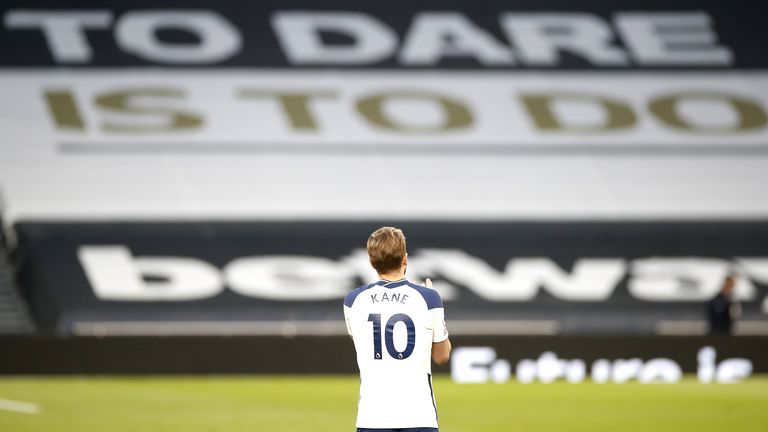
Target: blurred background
{"x": 187, "y": 188}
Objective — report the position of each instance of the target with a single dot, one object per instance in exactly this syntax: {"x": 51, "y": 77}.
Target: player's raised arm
{"x": 441, "y": 345}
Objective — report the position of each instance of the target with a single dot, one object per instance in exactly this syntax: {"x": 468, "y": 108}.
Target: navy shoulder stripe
{"x": 352, "y": 295}
{"x": 431, "y": 296}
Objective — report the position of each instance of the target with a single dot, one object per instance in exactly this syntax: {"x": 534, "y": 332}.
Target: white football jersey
{"x": 393, "y": 325}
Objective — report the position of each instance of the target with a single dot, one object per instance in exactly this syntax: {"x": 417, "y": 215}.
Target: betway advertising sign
{"x": 289, "y": 278}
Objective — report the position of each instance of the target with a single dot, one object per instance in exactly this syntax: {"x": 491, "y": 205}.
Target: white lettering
{"x": 591, "y": 279}
{"x": 660, "y": 370}
{"x": 672, "y": 38}
{"x": 706, "y": 369}
{"x": 757, "y": 269}
{"x": 288, "y": 278}
{"x": 727, "y": 372}
{"x": 436, "y": 35}
{"x": 299, "y": 34}
{"x": 601, "y": 371}
{"x": 64, "y": 31}
{"x": 114, "y": 274}
{"x": 549, "y": 368}
{"x": 677, "y": 279}
{"x": 136, "y": 33}
{"x": 733, "y": 370}
{"x": 540, "y": 38}
{"x": 625, "y": 370}
{"x": 470, "y": 365}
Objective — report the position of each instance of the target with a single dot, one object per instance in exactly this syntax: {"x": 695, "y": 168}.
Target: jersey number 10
{"x": 389, "y": 336}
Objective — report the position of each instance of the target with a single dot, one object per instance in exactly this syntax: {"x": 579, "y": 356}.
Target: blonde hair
{"x": 386, "y": 249}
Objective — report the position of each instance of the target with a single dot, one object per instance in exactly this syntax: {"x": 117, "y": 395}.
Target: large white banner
{"x": 477, "y": 145}
{"x": 396, "y": 110}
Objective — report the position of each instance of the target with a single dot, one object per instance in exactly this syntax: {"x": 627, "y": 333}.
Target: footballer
{"x": 397, "y": 326}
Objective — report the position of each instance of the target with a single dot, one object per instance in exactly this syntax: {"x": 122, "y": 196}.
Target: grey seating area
{"x": 14, "y": 314}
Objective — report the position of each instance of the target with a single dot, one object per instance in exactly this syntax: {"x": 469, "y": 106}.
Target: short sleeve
{"x": 347, "y": 313}
{"x": 439, "y": 329}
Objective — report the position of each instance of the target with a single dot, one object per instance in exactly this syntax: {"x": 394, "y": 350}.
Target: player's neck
{"x": 395, "y": 276}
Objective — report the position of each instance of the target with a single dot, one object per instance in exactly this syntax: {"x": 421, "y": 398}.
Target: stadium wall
{"x": 289, "y": 278}
{"x": 333, "y": 354}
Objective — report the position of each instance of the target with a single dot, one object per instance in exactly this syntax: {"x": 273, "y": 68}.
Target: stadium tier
{"x": 275, "y": 278}
{"x": 14, "y": 317}
{"x": 561, "y": 170}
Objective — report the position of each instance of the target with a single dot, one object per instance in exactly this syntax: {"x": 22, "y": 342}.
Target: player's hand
{"x": 428, "y": 283}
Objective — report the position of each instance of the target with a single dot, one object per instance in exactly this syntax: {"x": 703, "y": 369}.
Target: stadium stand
{"x": 184, "y": 184}
{"x": 14, "y": 314}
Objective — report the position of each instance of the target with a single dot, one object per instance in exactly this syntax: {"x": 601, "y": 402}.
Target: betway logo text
{"x": 115, "y": 274}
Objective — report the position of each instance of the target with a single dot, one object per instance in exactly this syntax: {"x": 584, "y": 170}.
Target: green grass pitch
{"x": 323, "y": 404}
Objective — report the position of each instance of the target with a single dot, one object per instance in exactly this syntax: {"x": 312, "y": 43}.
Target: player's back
{"x": 393, "y": 325}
